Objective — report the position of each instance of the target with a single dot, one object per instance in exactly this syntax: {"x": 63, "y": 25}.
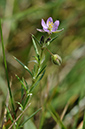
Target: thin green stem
{"x": 4, "y": 57}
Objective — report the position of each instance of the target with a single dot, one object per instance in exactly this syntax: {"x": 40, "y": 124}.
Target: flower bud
{"x": 42, "y": 40}
{"x": 48, "y": 39}
{"x": 56, "y": 59}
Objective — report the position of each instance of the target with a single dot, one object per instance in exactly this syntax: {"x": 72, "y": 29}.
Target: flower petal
{"x": 57, "y": 31}
{"x": 55, "y": 26}
{"x": 49, "y": 20}
{"x": 57, "y": 22}
{"x": 46, "y": 30}
{"x": 40, "y": 30}
{"x": 43, "y": 24}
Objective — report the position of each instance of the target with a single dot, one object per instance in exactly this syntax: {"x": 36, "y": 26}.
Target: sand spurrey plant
{"x": 36, "y": 74}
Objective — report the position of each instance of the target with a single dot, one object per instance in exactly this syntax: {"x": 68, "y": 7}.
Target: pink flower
{"x": 49, "y": 26}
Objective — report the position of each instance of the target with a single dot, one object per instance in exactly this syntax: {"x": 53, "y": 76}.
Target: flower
{"x": 49, "y": 26}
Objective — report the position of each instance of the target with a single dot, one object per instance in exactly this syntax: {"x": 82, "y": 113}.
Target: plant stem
{"x": 49, "y": 51}
{"x": 4, "y": 57}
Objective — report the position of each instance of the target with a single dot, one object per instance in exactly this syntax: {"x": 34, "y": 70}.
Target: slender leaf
{"x": 33, "y": 86}
{"x": 9, "y": 114}
{"x": 84, "y": 122}
{"x": 29, "y": 124}
{"x": 41, "y": 71}
{"x": 49, "y": 42}
{"x": 35, "y": 61}
{"x": 21, "y": 82}
{"x": 36, "y": 40}
{"x": 36, "y": 83}
{"x": 29, "y": 117}
{"x": 19, "y": 116}
{"x": 42, "y": 119}
{"x": 27, "y": 86}
{"x": 10, "y": 120}
{"x": 26, "y": 102}
{"x": 22, "y": 92}
{"x": 20, "y": 105}
{"x": 35, "y": 47}
{"x": 23, "y": 65}
{"x": 56, "y": 116}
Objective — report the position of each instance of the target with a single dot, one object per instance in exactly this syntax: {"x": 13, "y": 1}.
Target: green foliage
{"x": 25, "y": 67}
{"x": 4, "y": 58}
{"x": 35, "y": 47}
{"x": 29, "y": 124}
{"x": 46, "y": 83}
{"x": 29, "y": 118}
{"x": 55, "y": 116}
{"x": 83, "y": 122}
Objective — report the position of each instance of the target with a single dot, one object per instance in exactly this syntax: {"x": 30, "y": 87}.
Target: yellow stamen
{"x": 50, "y": 25}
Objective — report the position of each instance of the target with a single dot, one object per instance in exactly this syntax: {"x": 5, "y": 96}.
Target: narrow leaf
{"x": 23, "y": 65}
{"x": 84, "y": 122}
{"x": 22, "y": 91}
{"x": 21, "y": 82}
{"x": 20, "y": 105}
{"x": 29, "y": 117}
{"x": 9, "y": 114}
{"x": 41, "y": 71}
{"x": 49, "y": 42}
{"x": 36, "y": 83}
{"x": 36, "y": 39}
{"x": 56, "y": 116}
{"x": 29, "y": 124}
{"x": 19, "y": 116}
{"x": 27, "y": 86}
{"x": 10, "y": 120}
{"x": 35, "y": 47}
{"x": 32, "y": 88}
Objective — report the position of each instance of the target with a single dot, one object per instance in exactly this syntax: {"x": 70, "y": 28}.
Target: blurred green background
{"x": 61, "y": 84}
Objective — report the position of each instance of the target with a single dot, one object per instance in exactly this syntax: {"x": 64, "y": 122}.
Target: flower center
{"x": 50, "y": 25}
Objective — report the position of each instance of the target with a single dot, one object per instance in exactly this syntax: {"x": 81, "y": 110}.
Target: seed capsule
{"x": 56, "y": 59}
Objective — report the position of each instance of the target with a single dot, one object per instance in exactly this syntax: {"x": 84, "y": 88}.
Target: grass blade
{"x": 56, "y": 116}
{"x": 84, "y": 122}
{"x": 29, "y": 117}
{"x": 4, "y": 57}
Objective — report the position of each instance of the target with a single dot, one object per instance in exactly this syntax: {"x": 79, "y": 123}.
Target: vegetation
{"x": 35, "y": 93}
